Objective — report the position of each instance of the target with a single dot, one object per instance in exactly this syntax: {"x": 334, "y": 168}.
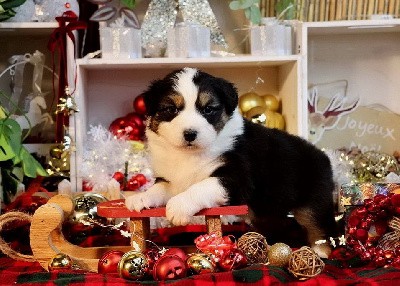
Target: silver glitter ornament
{"x": 161, "y": 15}
{"x": 200, "y": 12}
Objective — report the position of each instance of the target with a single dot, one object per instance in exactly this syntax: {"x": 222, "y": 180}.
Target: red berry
{"x": 142, "y": 180}
{"x": 361, "y": 212}
{"x": 361, "y": 234}
{"x": 118, "y": 176}
{"x": 132, "y": 185}
{"x": 396, "y": 262}
{"x": 365, "y": 256}
{"x": 380, "y": 261}
{"x": 378, "y": 198}
{"x": 353, "y": 221}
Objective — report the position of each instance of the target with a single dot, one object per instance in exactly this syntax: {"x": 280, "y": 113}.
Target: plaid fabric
{"x": 18, "y": 272}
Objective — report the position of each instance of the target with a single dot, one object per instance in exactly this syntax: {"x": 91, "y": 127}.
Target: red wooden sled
{"x": 140, "y": 221}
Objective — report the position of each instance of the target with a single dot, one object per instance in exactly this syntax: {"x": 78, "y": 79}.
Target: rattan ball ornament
{"x": 254, "y": 246}
{"x": 305, "y": 263}
{"x": 279, "y": 254}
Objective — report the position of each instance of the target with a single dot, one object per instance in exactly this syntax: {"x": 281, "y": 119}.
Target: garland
{"x": 367, "y": 230}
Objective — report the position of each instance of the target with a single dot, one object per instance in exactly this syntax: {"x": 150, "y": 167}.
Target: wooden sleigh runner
{"x": 47, "y": 239}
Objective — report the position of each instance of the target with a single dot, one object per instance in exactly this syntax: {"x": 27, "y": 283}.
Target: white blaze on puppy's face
{"x": 189, "y": 128}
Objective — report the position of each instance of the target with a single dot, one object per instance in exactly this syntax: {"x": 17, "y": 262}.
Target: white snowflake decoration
{"x": 104, "y": 154}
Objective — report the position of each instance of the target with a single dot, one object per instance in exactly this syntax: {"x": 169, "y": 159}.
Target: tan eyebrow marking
{"x": 178, "y": 100}
{"x": 204, "y": 99}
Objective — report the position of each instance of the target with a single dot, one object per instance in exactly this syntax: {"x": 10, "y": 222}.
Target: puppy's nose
{"x": 190, "y": 135}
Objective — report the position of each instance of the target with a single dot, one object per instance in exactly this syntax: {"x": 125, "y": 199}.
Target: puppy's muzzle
{"x": 190, "y": 135}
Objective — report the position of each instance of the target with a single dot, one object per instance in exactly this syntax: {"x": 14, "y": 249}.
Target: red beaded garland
{"x": 367, "y": 224}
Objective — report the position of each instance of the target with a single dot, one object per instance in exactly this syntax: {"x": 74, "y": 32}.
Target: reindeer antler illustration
{"x": 327, "y": 119}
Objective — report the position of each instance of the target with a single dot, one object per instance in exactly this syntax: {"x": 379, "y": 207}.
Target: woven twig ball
{"x": 254, "y": 246}
{"x": 394, "y": 224}
{"x": 305, "y": 263}
{"x": 390, "y": 240}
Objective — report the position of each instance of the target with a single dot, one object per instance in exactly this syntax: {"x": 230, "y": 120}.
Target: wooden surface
{"x": 117, "y": 209}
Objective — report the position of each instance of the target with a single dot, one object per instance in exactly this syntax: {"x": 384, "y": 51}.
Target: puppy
{"x": 205, "y": 154}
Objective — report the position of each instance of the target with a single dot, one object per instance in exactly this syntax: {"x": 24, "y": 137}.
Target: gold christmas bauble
{"x": 251, "y": 104}
{"x": 60, "y": 262}
{"x": 279, "y": 254}
{"x": 271, "y": 102}
{"x": 274, "y": 120}
{"x": 133, "y": 265}
{"x": 200, "y": 263}
{"x": 85, "y": 206}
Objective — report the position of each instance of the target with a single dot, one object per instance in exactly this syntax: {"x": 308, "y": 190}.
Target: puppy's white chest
{"x": 181, "y": 168}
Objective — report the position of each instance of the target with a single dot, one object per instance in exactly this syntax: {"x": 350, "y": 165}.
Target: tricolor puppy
{"x": 205, "y": 154}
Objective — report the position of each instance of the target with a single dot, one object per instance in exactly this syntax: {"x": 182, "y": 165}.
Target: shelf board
{"x": 215, "y": 62}
{"x": 27, "y": 28}
{"x": 353, "y": 27}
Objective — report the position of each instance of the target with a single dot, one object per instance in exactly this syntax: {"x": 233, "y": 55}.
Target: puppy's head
{"x": 188, "y": 108}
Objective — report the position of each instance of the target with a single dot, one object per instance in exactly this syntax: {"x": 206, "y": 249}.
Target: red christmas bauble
{"x": 169, "y": 267}
{"x": 108, "y": 263}
{"x": 139, "y": 105}
{"x": 233, "y": 259}
{"x": 137, "y": 119}
{"x": 176, "y": 251}
{"x": 125, "y": 129}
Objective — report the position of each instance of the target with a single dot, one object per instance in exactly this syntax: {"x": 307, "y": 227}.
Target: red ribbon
{"x": 67, "y": 23}
{"x": 57, "y": 38}
{"x": 215, "y": 245}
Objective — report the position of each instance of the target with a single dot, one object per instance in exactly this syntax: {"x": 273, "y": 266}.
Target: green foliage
{"x": 11, "y": 148}
{"x": 251, "y": 9}
{"x": 15, "y": 160}
{"x": 6, "y": 8}
{"x": 287, "y": 7}
{"x": 129, "y": 3}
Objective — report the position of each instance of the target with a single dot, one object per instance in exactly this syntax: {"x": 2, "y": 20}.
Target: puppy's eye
{"x": 208, "y": 110}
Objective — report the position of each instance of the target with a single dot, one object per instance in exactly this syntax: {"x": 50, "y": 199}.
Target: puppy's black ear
{"x": 229, "y": 94}
{"x": 154, "y": 93}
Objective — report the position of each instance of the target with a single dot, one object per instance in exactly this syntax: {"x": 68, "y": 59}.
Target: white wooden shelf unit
{"x": 106, "y": 88}
{"x": 366, "y": 53}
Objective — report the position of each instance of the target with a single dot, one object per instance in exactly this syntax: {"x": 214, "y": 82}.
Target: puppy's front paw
{"x": 153, "y": 197}
{"x": 138, "y": 202}
{"x": 322, "y": 250}
{"x": 179, "y": 211}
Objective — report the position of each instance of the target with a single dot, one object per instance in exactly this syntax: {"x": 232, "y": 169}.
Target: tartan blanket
{"x": 25, "y": 273}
